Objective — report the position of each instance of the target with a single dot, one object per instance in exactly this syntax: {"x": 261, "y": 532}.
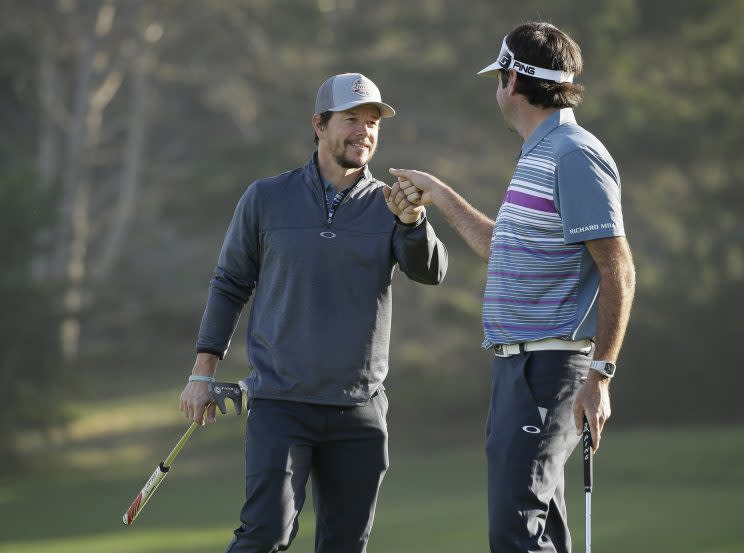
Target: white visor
{"x": 506, "y": 61}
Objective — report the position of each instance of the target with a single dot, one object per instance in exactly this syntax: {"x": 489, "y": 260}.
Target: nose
{"x": 368, "y": 130}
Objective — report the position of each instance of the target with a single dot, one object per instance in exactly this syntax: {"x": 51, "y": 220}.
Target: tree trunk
{"x": 48, "y": 137}
{"x": 87, "y": 121}
{"x": 76, "y": 139}
{"x": 47, "y": 163}
{"x": 129, "y": 186}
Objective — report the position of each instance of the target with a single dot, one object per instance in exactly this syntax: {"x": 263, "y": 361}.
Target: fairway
{"x": 672, "y": 490}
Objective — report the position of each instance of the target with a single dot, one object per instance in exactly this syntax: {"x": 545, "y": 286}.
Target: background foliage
{"x": 130, "y": 129}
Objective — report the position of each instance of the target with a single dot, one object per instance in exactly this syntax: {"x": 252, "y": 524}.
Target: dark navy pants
{"x": 344, "y": 449}
{"x": 530, "y": 434}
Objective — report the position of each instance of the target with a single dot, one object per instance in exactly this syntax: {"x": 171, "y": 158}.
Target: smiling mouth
{"x": 358, "y": 147}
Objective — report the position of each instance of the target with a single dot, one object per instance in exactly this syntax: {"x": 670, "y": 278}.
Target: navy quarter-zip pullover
{"x": 319, "y": 327}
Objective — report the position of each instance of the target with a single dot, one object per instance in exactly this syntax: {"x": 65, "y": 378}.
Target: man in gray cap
{"x": 316, "y": 247}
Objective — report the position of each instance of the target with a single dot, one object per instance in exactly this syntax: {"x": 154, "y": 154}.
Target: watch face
{"x": 606, "y": 368}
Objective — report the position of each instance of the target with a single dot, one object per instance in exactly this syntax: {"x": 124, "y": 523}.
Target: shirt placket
{"x": 337, "y": 199}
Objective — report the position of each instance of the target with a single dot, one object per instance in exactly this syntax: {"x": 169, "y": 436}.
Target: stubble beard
{"x": 507, "y": 121}
{"x": 347, "y": 163}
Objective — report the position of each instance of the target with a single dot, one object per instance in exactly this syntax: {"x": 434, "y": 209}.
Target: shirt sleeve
{"x": 234, "y": 278}
{"x": 418, "y": 251}
{"x": 588, "y": 197}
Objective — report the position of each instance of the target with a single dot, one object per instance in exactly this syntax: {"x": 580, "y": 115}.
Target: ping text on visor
{"x": 507, "y": 60}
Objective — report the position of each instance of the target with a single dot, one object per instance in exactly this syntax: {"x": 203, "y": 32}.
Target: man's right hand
{"x": 196, "y": 400}
{"x": 420, "y": 188}
{"x": 424, "y": 189}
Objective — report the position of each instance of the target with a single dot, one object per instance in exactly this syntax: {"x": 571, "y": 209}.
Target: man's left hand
{"x": 593, "y": 400}
{"x": 399, "y": 205}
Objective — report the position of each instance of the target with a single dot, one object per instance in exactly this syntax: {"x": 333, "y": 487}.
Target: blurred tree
{"x": 30, "y": 379}
{"x": 143, "y": 122}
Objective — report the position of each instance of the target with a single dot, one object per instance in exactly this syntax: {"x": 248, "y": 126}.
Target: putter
{"x": 219, "y": 391}
{"x": 588, "y": 477}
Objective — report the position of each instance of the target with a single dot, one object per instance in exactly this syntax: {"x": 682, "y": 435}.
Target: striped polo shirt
{"x": 542, "y": 282}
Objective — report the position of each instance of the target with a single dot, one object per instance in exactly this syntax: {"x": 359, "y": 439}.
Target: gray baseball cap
{"x": 345, "y": 91}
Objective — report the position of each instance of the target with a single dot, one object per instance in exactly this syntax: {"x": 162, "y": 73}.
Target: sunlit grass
{"x": 126, "y": 541}
{"x": 655, "y": 490}
{"x": 97, "y": 458}
{"x": 151, "y": 410}
{"x": 107, "y": 419}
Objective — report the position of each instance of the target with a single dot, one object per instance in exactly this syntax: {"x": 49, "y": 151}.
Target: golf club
{"x": 157, "y": 478}
{"x": 219, "y": 391}
{"x": 588, "y": 477}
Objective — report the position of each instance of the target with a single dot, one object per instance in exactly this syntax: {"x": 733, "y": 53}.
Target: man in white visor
{"x": 559, "y": 287}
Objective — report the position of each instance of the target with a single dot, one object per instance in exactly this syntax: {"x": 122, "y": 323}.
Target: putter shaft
{"x": 156, "y": 478}
{"x": 588, "y": 522}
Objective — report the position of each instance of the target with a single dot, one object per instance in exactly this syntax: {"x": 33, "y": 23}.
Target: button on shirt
{"x": 542, "y": 282}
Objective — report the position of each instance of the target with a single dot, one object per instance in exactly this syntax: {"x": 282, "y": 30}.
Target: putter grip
{"x": 586, "y": 438}
{"x": 150, "y": 486}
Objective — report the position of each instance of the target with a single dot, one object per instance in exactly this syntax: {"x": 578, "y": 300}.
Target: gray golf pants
{"x": 345, "y": 451}
{"x": 530, "y": 434}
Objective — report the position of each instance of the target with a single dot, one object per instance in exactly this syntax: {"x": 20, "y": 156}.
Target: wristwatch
{"x": 605, "y": 368}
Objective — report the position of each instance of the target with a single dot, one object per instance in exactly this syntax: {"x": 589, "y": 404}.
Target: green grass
{"x": 656, "y": 490}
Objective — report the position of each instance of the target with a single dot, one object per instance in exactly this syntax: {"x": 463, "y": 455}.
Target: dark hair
{"x": 544, "y": 45}
{"x": 324, "y": 118}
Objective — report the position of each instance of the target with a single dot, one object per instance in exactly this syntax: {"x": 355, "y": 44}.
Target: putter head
{"x": 222, "y": 390}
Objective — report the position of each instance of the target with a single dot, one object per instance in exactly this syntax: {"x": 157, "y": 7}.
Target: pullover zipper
{"x": 345, "y": 196}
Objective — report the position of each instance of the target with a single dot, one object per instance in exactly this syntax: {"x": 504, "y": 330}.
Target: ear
{"x": 511, "y": 84}
{"x": 317, "y": 127}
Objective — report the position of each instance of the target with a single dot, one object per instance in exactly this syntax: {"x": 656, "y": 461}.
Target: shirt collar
{"x": 560, "y": 117}
{"x": 328, "y": 186}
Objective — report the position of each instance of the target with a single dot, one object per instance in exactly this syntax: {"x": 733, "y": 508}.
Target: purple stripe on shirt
{"x": 564, "y": 253}
{"x": 501, "y": 299}
{"x": 533, "y": 275}
{"x": 523, "y": 327}
{"x": 530, "y": 201}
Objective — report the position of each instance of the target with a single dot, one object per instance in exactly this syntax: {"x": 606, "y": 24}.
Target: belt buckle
{"x": 498, "y": 351}
{"x": 507, "y": 350}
